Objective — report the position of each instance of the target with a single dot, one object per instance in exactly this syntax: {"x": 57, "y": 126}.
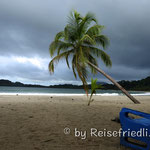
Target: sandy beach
{"x": 38, "y": 122}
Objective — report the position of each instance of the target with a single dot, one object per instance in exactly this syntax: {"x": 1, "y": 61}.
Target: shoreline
{"x": 72, "y": 94}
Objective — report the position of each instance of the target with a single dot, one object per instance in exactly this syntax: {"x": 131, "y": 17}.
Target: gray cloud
{"x": 28, "y": 27}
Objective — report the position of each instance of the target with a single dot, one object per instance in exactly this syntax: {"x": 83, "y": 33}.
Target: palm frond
{"x": 63, "y": 46}
{"x": 57, "y": 58}
{"x": 77, "y": 17}
{"x": 106, "y": 58}
{"x": 71, "y": 19}
{"x": 59, "y": 45}
{"x": 52, "y": 48}
{"x": 94, "y": 30}
{"x": 93, "y": 61}
{"x": 51, "y": 67}
{"x": 74, "y": 66}
{"x": 81, "y": 56}
{"x": 100, "y": 53}
{"x": 94, "y": 87}
{"x": 73, "y": 24}
{"x": 102, "y": 40}
{"x": 86, "y": 21}
{"x": 89, "y": 17}
{"x": 71, "y": 33}
{"x": 59, "y": 36}
{"x": 82, "y": 73}
{"x": 67, "y": 55}
{"x": 87, "y": 39}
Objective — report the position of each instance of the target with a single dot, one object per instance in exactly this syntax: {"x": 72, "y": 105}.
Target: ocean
{"x": 6, "y": 90}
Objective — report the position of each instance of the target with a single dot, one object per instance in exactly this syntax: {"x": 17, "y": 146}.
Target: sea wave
{"x": 142, "y": 94}
{"x": 74, "y": 94}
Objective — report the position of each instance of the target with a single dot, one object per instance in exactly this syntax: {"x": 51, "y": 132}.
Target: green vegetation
{"x": 79, "y": 40}
{"x": 139, "y": 85}
{"x": 94, "y": 87}
{"x": 82, "y": 43}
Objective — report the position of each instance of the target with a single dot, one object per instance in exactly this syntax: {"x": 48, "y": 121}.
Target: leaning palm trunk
{"x": 115, "y": 83}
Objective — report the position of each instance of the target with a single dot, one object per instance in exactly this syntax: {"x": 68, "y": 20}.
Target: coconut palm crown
{"x": 80, "y": 42}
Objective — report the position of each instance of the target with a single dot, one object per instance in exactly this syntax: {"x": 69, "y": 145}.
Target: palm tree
{"x": 94, "y": 87}
{"x": 80, "y": 42}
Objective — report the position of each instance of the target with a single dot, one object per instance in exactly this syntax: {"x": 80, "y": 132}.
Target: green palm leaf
{"x": 57, "y": 58}
{"x": 95, "y": 30}
{"x": 81, "y": 38}
{"x": 94, "y": 87}
{"x": 102, "y": 40}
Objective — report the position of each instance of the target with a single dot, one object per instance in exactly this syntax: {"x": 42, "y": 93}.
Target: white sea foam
{"x": 142, "y": 94}
{"x": 108, "y": 94}
{"x": 74, "y": 94}
{"x": 43, "y": 94}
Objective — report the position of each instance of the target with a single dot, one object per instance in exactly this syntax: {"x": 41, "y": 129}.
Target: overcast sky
{"x": 27, "y": 27}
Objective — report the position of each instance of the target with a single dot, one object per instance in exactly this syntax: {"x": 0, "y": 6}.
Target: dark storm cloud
{"x": 131, "y": 43}
{"x": 25, "y": 26}
{"x": 28, "y": 27}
